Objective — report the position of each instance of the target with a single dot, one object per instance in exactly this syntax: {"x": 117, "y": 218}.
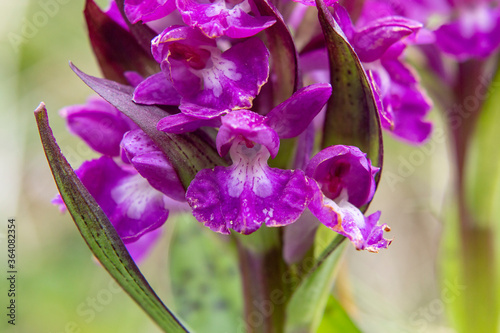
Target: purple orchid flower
{"x": 473, "y": 31}
{"x": 401, "y": 102}
{"x": 466, "y": 29}
{"x": 344, "y": 182}
{"x": 249, "y": 193}
{"x": 136, "y": 191}
{"x": 209, "y": 82}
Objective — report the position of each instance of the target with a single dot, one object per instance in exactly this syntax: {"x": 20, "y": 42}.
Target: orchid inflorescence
{"x": 253, "y": 114}
{"x": 210, "y": 71}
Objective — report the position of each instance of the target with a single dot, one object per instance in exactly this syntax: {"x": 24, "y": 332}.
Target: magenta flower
{"x": 344, "y": 182}
{"x": 210, "y": 82}
{"x": 379, "y": 44}
{"x": 473, "y": 30}
{"x": 249, "y": 193}
{"x": 136, "y": 191}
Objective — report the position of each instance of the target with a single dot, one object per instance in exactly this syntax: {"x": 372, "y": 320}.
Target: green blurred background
{"x": 397, "y": 290}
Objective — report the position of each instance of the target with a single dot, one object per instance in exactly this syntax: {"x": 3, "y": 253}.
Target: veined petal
{"x": 222, "y": 17}
{"x": 248, "y": 193}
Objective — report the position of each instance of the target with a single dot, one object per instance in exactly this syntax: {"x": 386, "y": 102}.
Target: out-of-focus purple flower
{"x": 248, "y": 193}
{"x": 148, "y": 10}
{"x": 419, "y": 10}
{"x": 209, "y": 81}
{"x": 344, "y": 182}
{"x": 466, "y": 29}
{"x": 474, "y": 33}
{"x": 99, "y": 124}
{"x": 223, "y": 17}
{"x": 379, "y": 44}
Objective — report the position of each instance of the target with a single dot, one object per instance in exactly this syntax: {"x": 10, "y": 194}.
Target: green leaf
{"x": 205, "y": 280}
{"x": 307, "y": 304}
{"x": 352, "y": 116}
{"x": 99, "y": 234}
{"x": 187, "y": 153}
{"x": 336, "y": 319}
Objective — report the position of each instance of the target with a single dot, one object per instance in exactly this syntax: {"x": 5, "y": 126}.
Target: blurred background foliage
{"x": 60, "y": 287}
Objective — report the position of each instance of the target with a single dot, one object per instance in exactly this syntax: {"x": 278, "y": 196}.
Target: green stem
{"x": 264, "y": 281}
{"x": 480, "y": 309}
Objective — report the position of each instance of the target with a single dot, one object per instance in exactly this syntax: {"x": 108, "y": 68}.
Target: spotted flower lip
{"x": 343, "y": 182}
{"x": 248, "y": 193}
{"x": 287, "y": 119}
{"x": 223, "y": 18}
{"x": 99, "y": 124}
{"x": 211, "y": 82}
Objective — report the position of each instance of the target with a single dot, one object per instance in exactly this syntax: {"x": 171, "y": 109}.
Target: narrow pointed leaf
{"x": 307, "y": 304}
{"x": 352, "y": 117}
{"x": 188, "y": 153}
{"x": 115, "y": 48}
{"x": 283, "y": 53}
{"x": 98, "y": 232}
